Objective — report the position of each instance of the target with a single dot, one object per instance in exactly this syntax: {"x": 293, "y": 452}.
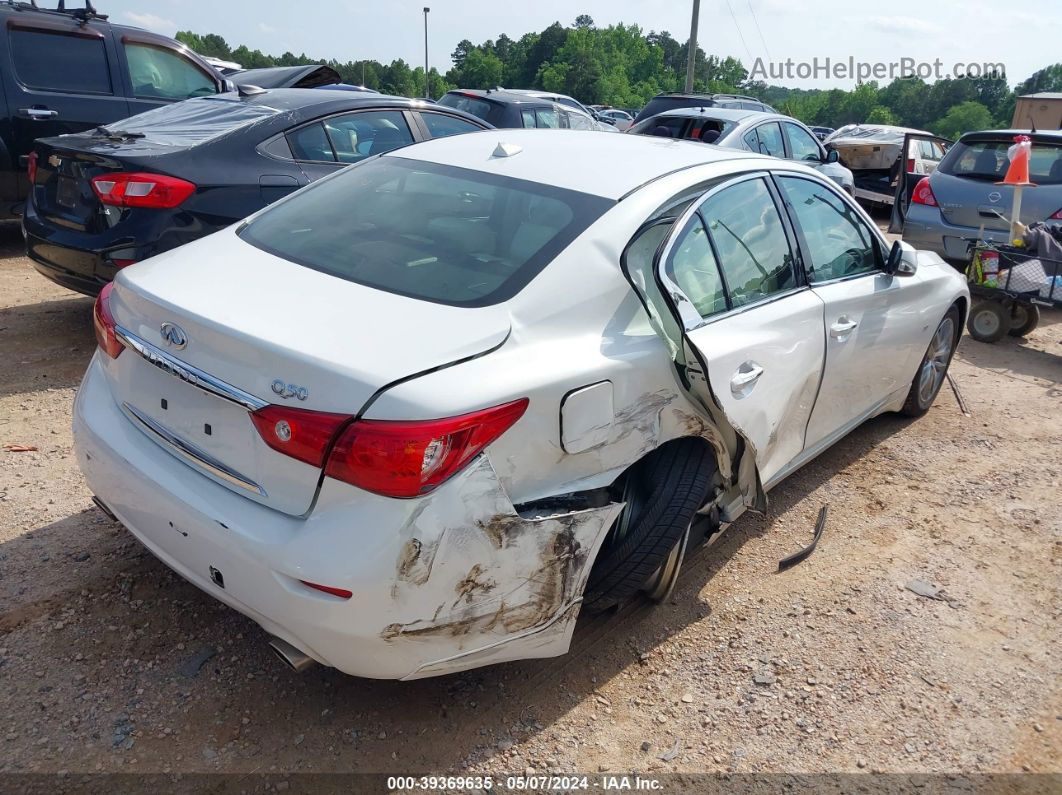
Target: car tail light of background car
{"x": 103, "y": 322}
{"x": 141, "y": 190}
{"x": 910, "y": 165}
{"x": 1057, "y": 216}
{"x": 923, "y": 194}
{"x": 392, "y": 458}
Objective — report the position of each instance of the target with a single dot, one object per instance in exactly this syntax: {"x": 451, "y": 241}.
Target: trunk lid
{"x": 277, "y": 332}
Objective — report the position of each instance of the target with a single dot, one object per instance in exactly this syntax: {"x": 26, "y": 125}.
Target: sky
{"x": 1021, "y": 34}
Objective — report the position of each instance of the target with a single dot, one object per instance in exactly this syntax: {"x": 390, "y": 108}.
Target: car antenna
{"x": 1032, "y": 123}
{"x": 250, "y": 91}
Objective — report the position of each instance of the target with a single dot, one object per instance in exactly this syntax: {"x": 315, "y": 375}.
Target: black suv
{"x": 673, "y": 101}
{"x": 70, "y": 70}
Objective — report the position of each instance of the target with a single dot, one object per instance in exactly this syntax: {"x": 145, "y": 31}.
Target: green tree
{"x": 962, "y": 118}
{"x": 881, "y": 115}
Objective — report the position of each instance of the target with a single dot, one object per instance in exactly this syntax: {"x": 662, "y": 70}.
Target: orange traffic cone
{"x": 1018, "y": 170}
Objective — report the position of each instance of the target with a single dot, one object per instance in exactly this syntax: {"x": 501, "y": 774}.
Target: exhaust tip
{"x": 296, "y": 660}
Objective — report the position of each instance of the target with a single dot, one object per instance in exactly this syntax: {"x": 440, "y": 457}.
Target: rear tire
{"x": 646, "y": 545}
{"x": 1024, "y": 318}
{"x": 988, "y": 321}
{"x": 934, "y": 366}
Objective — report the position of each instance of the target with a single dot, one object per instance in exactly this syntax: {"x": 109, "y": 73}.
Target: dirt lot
{"x": 108, "y": 662}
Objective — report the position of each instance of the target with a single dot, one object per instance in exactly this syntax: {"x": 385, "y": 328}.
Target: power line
{"x": 748, "y": 52}
{"x": 766, "y": 49}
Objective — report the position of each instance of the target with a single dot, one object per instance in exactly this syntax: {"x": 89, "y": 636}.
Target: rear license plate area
{"x": 66, "y": 192}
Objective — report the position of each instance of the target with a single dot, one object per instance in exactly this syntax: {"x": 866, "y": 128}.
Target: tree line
{"x": 623, "y": 66}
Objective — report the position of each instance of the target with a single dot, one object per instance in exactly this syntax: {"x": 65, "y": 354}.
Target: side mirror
{"x": 902, "y": 260}
{"x": 832, "y": 156}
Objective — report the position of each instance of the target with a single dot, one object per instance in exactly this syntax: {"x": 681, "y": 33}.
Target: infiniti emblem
{"x": 994, "y": 196}
{"x": 173, "y": 335}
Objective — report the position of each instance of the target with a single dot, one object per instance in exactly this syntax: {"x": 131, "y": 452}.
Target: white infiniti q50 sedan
{"x": 412, "y": 419}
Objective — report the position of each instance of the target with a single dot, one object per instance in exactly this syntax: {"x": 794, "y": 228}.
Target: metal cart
{"x": 1008, "y": 285}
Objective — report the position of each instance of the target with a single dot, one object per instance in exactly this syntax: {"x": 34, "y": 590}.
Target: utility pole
{"x": 691, "y": 59}
{"x": 427, "y": 89}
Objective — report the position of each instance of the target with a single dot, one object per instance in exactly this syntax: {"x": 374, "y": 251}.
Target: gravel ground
{"x": 108, "y": 662}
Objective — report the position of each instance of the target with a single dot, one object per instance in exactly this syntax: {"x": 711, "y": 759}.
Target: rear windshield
{"x": 434, "y": 232}
{"x": 191, "y": 122}
{"x": 987, "y": 160}
{"x": 474, "y": 105}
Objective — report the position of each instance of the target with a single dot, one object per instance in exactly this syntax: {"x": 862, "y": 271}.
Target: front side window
{"x": 838, "y": 241}
{"x": 751, "y": 242}
{"x": 57, "y": 62}
{"x": 771, "y": 140}
{"x": 439, "y": 233}
{"x": 359, "y": 135}
{"x": 440, "y": 125}
{"x": 802, "y": 143}
{"x": 693, "y": 267}
{"x": 158, "y": 73}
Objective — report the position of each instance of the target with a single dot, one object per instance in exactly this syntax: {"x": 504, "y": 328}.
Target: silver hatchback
{"x": 962, "y": 200}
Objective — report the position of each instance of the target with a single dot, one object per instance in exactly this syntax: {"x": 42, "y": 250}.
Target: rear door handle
{"x": 842, "y": 328}
{"x": 745, "y": 377}
{"x": 38, "y": 114}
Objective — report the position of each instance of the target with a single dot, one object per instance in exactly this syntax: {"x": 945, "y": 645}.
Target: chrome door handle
{"x": 38, "y": 113}
{"x": 842, "y": 328}
{"x": 747, "y": 375}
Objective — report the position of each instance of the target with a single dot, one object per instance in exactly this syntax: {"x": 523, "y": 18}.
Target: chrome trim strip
{"x": 186, "y": 372}
{"x": 192, "y": 454}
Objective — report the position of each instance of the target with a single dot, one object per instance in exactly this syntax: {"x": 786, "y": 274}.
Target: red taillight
{"x": 122, "y": 263}
{"x": 910, "y": 165}
{"x": 300, "y": 433}
{"x": 1057, "y": 216}
{"x": 923, "y": 194}
{"x": 342, "y": 593}
{"x": 31, "y": 167}
{"x": 103, "y": 321}
{"x": 407, "y": 459}
{"x": 141, "y": 190}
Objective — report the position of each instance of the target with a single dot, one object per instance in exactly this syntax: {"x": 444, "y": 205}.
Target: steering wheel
{"x": 853, "y": 260}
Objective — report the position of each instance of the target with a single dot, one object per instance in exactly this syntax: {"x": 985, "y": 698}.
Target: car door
{"x": 911, "y": 174}
{"x": 326, "y": 145}
{"x": 155, "y": 73}
{"x": 873, "y": 328}
{"x": 754, "y": 327}
{"x": 58, "y": 80}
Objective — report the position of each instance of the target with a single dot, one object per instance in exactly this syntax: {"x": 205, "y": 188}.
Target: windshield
{"x": 987, "y": 160}
{"x": 191, "y": 122}
{"x": 428, "y": 231}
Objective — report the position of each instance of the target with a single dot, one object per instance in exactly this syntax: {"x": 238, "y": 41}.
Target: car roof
{"x": 296, "y": 98}
{"x": 503, "y": 95}
{"x": 579, "y": 160}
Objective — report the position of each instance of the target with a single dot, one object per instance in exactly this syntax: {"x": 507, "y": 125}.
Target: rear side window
{"x": 440, "y": 125}
{"x": 693, "y": 267}
{"x": 987, "y": 160}
{"x": 359, "y": 135}
{"x": 57, "y": 62}
{"x": 475, "y": 106}
{"x": 158, "y": 73}
{"x": 311, "y": 143}
{"x": 428, "y": 231}
{"x": 527, "y": 118}
{"x": 753, "y": 249}
{"x": 771, "y": 139}
{"x": 548, "y": 118}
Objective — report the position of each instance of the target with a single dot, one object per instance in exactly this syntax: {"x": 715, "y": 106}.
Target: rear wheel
{"x": 934, "y": 366}
{"x": 646, "y": 545}
{"x": 988, "y": 321}
{"x": 1024, "y": 318}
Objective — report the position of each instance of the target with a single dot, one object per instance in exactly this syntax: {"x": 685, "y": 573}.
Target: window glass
{"x": 987, "y": 160}
{"x": 751, "y": 106}
{"x": 748, "y": 234}
{"x": 55, "y": 62}
{"x": 359, "y": 135}
{"x": 692, "y": 266}
{"x": 441, "y": 125}
{"x": 159, "y": 73}
{"x": 548, "y": 118}
{"x": 752, "y": 140}
{"x": 578, "y": 121}
{"x": 311, "y": 143}
{"x": 477, "y": 107}
{"x": 839, "y": 243}
{"x": 424, "y": 230}
{"x": 664, "y": 126}
{"x": 771, "y": 140}
{"x": 802, "y": 143}
{"x": 528, "y": 118}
